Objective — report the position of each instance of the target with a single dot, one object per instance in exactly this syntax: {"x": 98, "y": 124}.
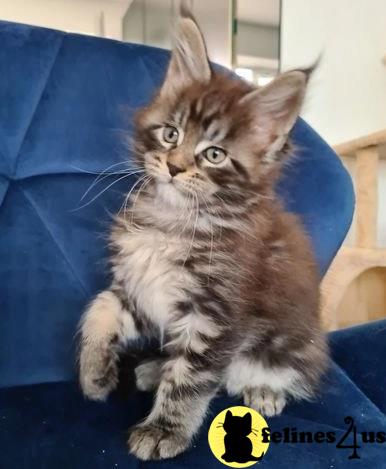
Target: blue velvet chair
{"x": 66, "y": 103}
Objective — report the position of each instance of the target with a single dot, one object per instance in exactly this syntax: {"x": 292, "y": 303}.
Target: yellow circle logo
{"x": 239, "y": 437}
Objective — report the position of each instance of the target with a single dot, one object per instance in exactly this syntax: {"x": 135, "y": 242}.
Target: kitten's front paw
{"x": 154, "y": 442}
{"x": 266, "y": 401}
{"x": 98, "y": 372}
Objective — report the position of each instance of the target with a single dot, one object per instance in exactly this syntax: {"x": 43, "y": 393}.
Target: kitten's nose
{"x": 174, "y": 170}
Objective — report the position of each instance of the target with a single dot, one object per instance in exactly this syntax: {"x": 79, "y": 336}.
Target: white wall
{"x": 105, "y": 18}
{"x": 152, "y": 23}
{"x": 215, "y": 19}
{"x": 348, "y": 94}
{"x": 95, "y": 17}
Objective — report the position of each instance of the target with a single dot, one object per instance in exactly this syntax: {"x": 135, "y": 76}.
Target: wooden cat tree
{"x": 351, "y": 262}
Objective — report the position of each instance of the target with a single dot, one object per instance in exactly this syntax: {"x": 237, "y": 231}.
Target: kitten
{"x": 206, "y": 259}
{"x": 238, "y": 447}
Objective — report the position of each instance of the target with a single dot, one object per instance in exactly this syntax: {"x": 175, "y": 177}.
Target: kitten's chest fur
{"x": 150, "y": 268}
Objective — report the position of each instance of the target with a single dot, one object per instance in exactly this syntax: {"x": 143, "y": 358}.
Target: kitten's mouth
{"x": 174, "y": 182}
{"x": 164, "y": 179}
{"x": 172, "y": 185}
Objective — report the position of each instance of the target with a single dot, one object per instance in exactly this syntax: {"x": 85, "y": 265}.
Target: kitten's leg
{"x": 105, "y": 328}
{"x": 263, "y": 389}
{"x": 268, "y": 381}
{"x": 148, "y": 374}
{"x": 190, "y": 378}
{"x": 265, "y": 400}
{"x": 181, "y": 402}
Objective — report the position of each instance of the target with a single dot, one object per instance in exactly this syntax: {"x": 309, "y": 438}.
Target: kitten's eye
{"x": 170, "y": 134}
{"x": 215, "y": 155}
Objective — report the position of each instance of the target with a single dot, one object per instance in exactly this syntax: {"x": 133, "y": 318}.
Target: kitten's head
{"x": 239, "y": 426}
{"x": 208, "y": 136}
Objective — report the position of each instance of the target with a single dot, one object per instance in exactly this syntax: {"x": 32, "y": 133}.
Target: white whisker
{"x": 196, "y": 207}
{"x": 211, "y": 240}
{"x": 105, "y": 171}
{"x": 145, "y": 182}
{"x": 100, "y": 179}
{"x": 102, "y": 192}
{"x": 126, "y": 201}
{"x": 127, "y": 198}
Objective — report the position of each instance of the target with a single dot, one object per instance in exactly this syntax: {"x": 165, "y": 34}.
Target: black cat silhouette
{"x": 238, "y": 447}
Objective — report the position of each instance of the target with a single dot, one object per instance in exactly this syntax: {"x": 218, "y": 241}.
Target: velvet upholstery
{"x": 66, "y": 103}
{"x": 47, "y": 426}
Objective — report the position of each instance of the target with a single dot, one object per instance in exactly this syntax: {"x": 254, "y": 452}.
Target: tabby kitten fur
{"x": 205, "y": 259}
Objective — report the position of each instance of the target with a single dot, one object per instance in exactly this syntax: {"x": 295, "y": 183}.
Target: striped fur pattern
{"x": 205, "y": 258}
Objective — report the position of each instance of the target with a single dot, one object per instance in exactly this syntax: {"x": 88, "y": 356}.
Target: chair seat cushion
{"x": 52, "y": 426}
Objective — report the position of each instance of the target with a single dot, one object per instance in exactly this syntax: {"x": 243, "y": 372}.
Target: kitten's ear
{"x": 228, "y": 415}
{"x": 189, "y": 60}
{"x": 248, "y": 419}
{"x": 276, "y": 107}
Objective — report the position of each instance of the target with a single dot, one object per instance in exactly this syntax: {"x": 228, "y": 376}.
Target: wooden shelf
{"x": 352, "y": 146}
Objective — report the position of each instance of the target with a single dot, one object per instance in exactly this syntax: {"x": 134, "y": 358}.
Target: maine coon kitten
{"x": 206, "y": 259}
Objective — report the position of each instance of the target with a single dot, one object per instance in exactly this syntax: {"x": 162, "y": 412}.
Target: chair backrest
{"x": 66, "y": 103}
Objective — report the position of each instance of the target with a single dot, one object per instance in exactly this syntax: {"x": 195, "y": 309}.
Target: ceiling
{"x": 265, "y": 12}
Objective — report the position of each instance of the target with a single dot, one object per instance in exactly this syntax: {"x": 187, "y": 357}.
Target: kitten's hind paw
{"x": 264, "y": 400}
{"x": 148, "y": 375}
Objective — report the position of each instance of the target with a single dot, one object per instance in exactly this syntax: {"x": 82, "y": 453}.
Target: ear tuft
{"x": 189, "y": 60}
{"x": 185, "y": 10}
